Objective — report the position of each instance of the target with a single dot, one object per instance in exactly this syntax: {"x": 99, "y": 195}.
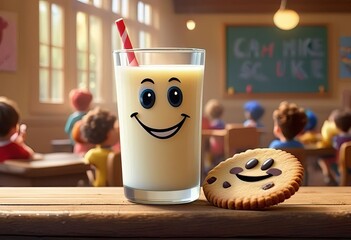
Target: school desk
{"x": 52, "y": 169}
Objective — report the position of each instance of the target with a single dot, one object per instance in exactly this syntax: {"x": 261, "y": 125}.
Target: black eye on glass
{"x": 147, "y": 98}
{"x": 267, "y": 164}
{"x": 175, "y": 96}
{"x": 251, "y": 163}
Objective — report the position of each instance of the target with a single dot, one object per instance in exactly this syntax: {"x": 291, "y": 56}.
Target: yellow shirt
{"x": 98, "y": 157}
{"x": 328, "y": 131}
{"x": 309, "y": 138}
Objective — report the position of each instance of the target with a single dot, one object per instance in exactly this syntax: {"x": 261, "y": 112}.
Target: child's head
{"x": 9, "y": 117}
{"x": 97, "y": 125}
{"x": 343, "y": 120}
{"x": 80, "y": 99}
{"x": 253, "y": 110}
{"x": 289, "y": 119}
{"x": 311, "y": 120}
{"x": 214, "y": 109}
{"x": 333, "y": 114}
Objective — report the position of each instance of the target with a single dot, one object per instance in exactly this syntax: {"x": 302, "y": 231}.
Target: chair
{"x": 114, "y": 171}
{"x": 344, "y": 164}
{"x": 300, "y": 154}
{"x": 239, "y": 139}
{"x": 236, "y": 138}
{"x": 114, "y": 166}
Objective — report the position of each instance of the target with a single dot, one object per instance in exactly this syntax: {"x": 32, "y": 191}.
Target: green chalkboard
{"x": 266, "y": 60}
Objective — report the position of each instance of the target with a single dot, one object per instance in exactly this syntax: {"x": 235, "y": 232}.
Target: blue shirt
{"x": 277, "y": 144}
{"x": 217, "y": 124}
{"x": 72, "y": 119}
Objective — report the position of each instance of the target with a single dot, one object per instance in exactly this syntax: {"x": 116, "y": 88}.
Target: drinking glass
{"x": 159, "y": 102}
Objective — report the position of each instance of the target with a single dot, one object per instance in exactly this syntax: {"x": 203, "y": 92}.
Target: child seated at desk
{"x": 253, "y": 114}
{"x": 99, "y": 128}
{"x": 289, "y": 121}
{"x": 213, "y": 112}
{"x": 343, "y": 123}
{"x": 328, "y": 131}
{"x": 309, "y": 135}
{"x": 80, "y": 101}
{"x": 12, "y": 145}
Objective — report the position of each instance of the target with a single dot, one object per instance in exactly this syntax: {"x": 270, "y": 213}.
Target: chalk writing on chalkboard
{"x": 264, "y": 59}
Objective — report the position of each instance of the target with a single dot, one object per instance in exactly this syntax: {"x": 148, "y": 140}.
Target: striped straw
{"x": 127, "y": 44}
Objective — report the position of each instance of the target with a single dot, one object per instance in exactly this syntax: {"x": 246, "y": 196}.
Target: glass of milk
{"x": 159, "y": 110}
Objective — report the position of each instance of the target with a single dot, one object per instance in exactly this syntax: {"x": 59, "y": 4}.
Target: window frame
{"x": 107, "y": 89}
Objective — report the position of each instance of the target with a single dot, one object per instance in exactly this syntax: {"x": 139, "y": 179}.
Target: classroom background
{"x": 166, "y": 28}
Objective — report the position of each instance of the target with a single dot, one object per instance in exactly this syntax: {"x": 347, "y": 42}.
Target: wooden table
{"x": 314, "y": 152}
{"x": 313, "y": 212}
{"x": 52, "y": 169}
{"x": 62, "y": 145}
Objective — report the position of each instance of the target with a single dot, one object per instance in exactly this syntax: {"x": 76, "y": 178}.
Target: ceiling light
{"x": 190, "y": 24}
{"x": 285, "y": 19}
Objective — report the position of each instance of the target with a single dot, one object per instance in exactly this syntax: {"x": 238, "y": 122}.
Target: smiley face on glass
{"x": 158, "y": 99}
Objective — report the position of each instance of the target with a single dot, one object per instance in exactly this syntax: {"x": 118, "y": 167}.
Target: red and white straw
{"x": 127, "y": 44}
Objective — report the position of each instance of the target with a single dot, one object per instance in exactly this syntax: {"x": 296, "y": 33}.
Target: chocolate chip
{"x": 226, "y": 184}
{"x": 251, "y": 163}
{"x": 268, "y": 186}
{"x": 274, "y": 171}
{"x": 267, "y": 164}
{"x": 236, "y": 170}
{"x": 211, "y": 180}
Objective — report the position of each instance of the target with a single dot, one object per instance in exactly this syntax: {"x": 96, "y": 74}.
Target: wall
{"x": 209, "y": 34}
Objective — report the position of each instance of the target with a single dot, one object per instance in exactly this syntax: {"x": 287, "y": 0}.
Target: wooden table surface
{"x": 104, "y": 212}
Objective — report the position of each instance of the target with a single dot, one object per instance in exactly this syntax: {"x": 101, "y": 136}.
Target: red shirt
{"x": 13, "y": 151}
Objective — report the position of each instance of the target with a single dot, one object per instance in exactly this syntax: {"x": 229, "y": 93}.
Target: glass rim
{"x": 161, "y": 49}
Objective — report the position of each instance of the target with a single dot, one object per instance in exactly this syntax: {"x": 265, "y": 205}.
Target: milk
{"x": 163, "y": 160}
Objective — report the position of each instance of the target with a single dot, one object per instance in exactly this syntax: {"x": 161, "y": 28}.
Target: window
{"x": 51, "y": 53}
{"x": 144, "y": 13}
{"x": 144, "y": 17}
{"x": 76, "y": 40}
{"x": 89, "y": 53}
{"x": 96, "y": 3}
{"x": 116, "y": 6}
{"x": 125, "y": 8}
{"x": 144, "y": 39}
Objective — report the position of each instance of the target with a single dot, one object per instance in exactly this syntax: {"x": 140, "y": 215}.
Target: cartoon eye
{"x": 267, "y": 164}
{"x": 175, "y": 96}
{"x": 147, "y": 98}
{"x": 251, "y": 163}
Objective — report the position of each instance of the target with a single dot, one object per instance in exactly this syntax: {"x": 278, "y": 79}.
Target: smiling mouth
{"x": 165, "y": 132}
{"x": 253, "y": 178}
{"x": 271, "y": 172}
